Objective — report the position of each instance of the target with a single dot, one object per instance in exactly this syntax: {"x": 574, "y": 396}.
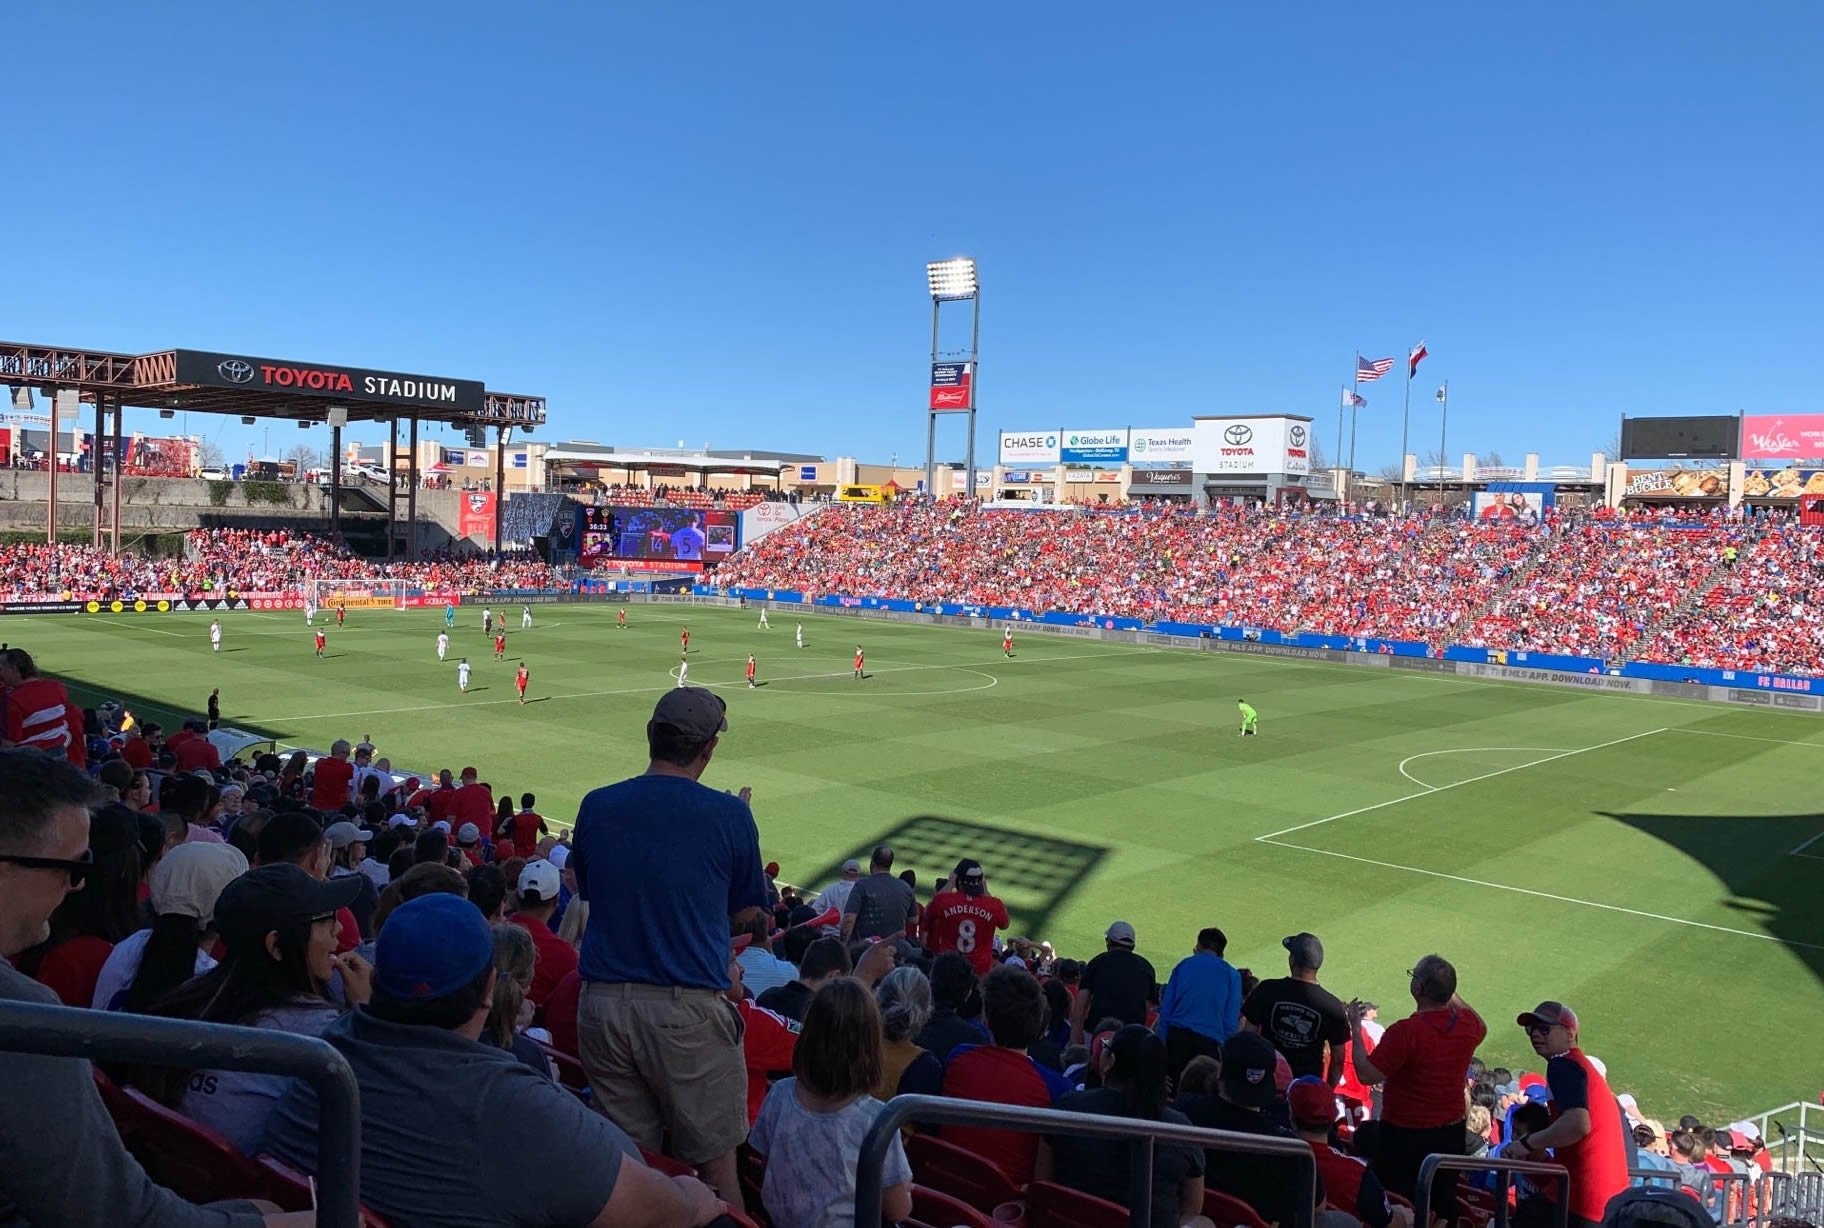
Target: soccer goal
{"x": 322, "y": 596}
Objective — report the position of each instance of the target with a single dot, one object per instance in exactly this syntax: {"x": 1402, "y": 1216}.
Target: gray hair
{"x": 905, "y": 1003}
{"x": 1435, "y": 978}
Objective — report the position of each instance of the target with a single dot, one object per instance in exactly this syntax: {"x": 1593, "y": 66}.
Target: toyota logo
{"x": 1237, "y": 435}
{"x": 1298, "y": 436}
{"x": 235, "y": 371}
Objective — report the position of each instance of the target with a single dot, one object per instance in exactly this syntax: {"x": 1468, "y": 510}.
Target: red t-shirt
{"x": 999, "y": 1076}
{"x": 473, "y": 804}
{"x": 1597, "y": 1163}
{"x": 330, "y": 792}
{"x": 71, "y": 968}
{"x": 442, "y": 805}
{"x": 767, "y": 1046}
{"x": 528, "y": 826}
{"x": 965, "y": 924}
{"x": 137, "y": 752}
{"x": 559, "y": 1013}
{"x": 556, "y": 959}
{"x": 198, "y": 752}
{"x": 1425, "y": 1057}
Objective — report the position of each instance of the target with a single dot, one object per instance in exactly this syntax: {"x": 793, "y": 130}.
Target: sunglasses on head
{"x": 77, "y": 868}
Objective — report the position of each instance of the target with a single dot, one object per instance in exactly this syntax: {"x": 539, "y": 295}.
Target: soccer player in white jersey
{"x": 443, "y": 644}
{"x": 462, "y": 675}
{"x": 525, "y": 618}
{"x": 215, "y": 636}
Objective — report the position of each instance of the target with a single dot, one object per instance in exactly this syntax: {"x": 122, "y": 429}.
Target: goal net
{"x": 324, "y": 595}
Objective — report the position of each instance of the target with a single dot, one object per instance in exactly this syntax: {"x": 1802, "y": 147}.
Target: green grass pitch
{"x": 1645, "y": 860}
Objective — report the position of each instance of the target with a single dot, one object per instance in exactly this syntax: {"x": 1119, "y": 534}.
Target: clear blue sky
{"x": 707, "y": 221}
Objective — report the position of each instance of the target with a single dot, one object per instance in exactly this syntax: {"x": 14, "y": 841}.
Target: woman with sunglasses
{"x": 89, "y": 922}
{"x": 278, "y": 925}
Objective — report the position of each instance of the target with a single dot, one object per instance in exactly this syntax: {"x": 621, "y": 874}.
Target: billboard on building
{"x": 763, "y": 518}
{"x": 1771, "y": 437}
{"x": 1029, "y": 447}
{"x": 1697, "y": 482}
{"x": 1704, "y": 437}
{"x": 1166, "y": 448}
{"x": 1252, "y": 445}
{"x": 1107, "y": 446}
{"x": 1788, "y": 483}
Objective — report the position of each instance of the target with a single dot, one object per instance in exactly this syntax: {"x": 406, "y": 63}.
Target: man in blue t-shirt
{"x": 666, "y": 864}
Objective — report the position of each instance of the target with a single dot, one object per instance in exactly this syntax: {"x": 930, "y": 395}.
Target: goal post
{"x": 325, "y": 594}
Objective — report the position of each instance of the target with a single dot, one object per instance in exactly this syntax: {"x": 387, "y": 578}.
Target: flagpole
{"x": 1355, "y": 382}
{"x": 1443, "y": 436}
{"x": 1405, "y": 422}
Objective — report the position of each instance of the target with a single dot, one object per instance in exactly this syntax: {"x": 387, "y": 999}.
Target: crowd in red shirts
{"x": 682, "y": 496}
{"x": 1590, "y": 585}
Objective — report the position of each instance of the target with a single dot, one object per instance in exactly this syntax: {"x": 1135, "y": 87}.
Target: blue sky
{"x": 707, "y": 221}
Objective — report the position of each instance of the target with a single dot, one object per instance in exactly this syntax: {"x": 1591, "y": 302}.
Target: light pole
{"x": 953, "y": 383}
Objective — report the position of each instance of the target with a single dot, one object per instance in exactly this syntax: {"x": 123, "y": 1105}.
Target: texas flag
{"x": 1416, "y": 357}
{"x": 951, "y": 386}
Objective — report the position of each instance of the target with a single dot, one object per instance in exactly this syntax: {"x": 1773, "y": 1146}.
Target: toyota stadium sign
{"x": 245, "y": 372}
{"x": 1252, "y": 445}
{"x": 1029, "y": 447}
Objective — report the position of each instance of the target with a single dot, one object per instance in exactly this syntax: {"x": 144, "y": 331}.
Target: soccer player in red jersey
{"x": 685, "y": 639}
{"x": 964, "y": 918}
{"x": 320, "y": 642}
{"x": 341, "y": 614}
{"x": 858, "y": 660}
{"x": 500, "y": 646}
{"x": 750, "y": 671}
{"x": 520, "y": 678}
{"x": 1007, "y": 641}
{"x": 621, "y": 621}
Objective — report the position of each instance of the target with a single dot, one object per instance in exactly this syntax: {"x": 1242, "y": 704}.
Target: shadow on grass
{"x": 160, "y": 712}
{"x": 1032, "y": 874}
{"x": 1772, "y": 867}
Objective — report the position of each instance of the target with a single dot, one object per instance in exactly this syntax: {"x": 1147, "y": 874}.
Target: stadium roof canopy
{"x": 207, "y": 381}
{"x": 604, "y": 457}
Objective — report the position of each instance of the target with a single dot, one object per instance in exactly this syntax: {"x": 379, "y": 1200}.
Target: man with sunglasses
{"x": 67, "y": 1166}
{"x": 1585, "y": 1132}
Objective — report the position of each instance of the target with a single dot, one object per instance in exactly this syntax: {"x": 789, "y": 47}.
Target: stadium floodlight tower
{"x": 952, "y": 375}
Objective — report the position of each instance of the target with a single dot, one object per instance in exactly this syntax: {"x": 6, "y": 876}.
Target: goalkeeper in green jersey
{"x": 1250, "y": 719}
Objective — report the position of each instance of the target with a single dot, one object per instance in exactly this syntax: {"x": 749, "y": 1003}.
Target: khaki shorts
{"x": 666, "y": 1062}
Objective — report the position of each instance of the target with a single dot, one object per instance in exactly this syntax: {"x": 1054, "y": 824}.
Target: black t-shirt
{"x": 1298, "y": 1017}
{"x": 945, "y": 1031}
{"x": 1266, "y": 1183}
{"x": 1120, "y": 984}
{"x": 790, "y": 999}
{"x": 1105, "y": 1167}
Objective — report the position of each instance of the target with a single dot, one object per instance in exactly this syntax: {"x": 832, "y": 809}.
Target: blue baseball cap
{"x": 430, "y": 947}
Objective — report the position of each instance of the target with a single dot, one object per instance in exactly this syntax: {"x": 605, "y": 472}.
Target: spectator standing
{"x": 416, "y": 1052}
{"x": 534, "y": 901}
{"x": 964, "y": 919}
{"x": 1585, "y": 1131}
{"x": 1002, "y": 1073}
{"x": 1133, "y": 1085}
{"x": 836, "y": 895}
{"x": 1119, "y": 983}
{"x": 1201, "y": 1005}
{"x": 666, "y": 864}
{"x": 66, "y": 1166}
{"x": 880, "y": 905}
{"x": 1244, "y": 1090}
{"x": 1419, "y": 1063}
{"x": 811, "y": 1127}
{"x": 1298, "y": 1016}
{"x": 332, "y": 785}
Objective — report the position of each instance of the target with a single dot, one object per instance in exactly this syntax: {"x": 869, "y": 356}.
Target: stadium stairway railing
{"x": 1145, "y": 1135}
{"x": 1505, "y": 1171}
{"x": 63, "y": 1031}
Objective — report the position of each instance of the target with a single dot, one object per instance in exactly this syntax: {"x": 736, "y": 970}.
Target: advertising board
{"x": 1149, "y": 447}
{"x": 1514, "y": 500}
{"x": 676, "y": 535}
{"x": 1163, "y": 477}
{"x": 763, "y": 518}
{"x": 1093, "y": 447}
{"x": 1252, "y": 445}
{"x": 952, "y": 386}
{"x": 1694, "y": 483}
{"x": 1788, "y": 483}
{"x": 1770, "y": 437}
{"x": 250, "y": 374}
{"x": 1706, "y": 437}
{"x": 1029, "y": 448}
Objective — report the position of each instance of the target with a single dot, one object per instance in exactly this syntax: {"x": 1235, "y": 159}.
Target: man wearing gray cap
{"x": 666, "y": 865}
{"x": 1300, "y": 1016}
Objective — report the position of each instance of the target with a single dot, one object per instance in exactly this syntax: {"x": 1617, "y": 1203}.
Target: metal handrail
{"x": 1504, "y": 1170}
{"x": 943, "y": 1111}
{"x": 63, "y": 1031}
{"x": 1656, "y": 1174}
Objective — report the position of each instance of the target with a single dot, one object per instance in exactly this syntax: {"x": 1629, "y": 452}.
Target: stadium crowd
{"x": 679, "y": 1035}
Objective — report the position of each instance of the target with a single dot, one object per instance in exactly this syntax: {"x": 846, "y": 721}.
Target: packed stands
{"x": 1762, "y": 614}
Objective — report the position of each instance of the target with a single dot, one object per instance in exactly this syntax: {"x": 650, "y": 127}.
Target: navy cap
{"x": 431, "y": 947}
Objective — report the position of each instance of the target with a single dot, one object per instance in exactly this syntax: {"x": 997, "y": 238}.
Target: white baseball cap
{"x": 539, "y": 882}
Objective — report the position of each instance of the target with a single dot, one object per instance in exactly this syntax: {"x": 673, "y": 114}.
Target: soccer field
{"x": 1657, "y": 863}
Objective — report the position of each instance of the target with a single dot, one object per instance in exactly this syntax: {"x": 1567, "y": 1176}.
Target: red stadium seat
{"x": 659, "y": 1162}
{"x": 935, "y": 1209}
{"x": 290, "y": 1190}
{"x": 963, "y": 1175}
{"x": 1228, "y": 1211}
{"x": 1050, "y": 1205}
{"x": 569, "y": 1071}
{"x": 184, "y": 1156}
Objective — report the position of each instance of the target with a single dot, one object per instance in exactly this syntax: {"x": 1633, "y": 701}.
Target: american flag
{"x": 1368, "y": 370}
{"x": 1352, "y": 401}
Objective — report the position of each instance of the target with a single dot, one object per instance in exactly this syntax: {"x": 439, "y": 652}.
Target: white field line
{"x": 1743, "y": 737}
{"x": 1469, "y": 750}
{"x": 1428, "y": 790}
{"x": 1548, "y": 895}
{"x": 1800, "y": 851}
{"x": 645, "y": 690}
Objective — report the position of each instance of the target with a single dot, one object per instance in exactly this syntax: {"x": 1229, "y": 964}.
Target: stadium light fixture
{"x": 246, "y": 421}
{"x": 951, "y": 279}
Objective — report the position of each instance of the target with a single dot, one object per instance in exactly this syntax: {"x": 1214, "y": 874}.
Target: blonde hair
{"x": 514, "y": 957}
{"x": 576, "y": 920}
